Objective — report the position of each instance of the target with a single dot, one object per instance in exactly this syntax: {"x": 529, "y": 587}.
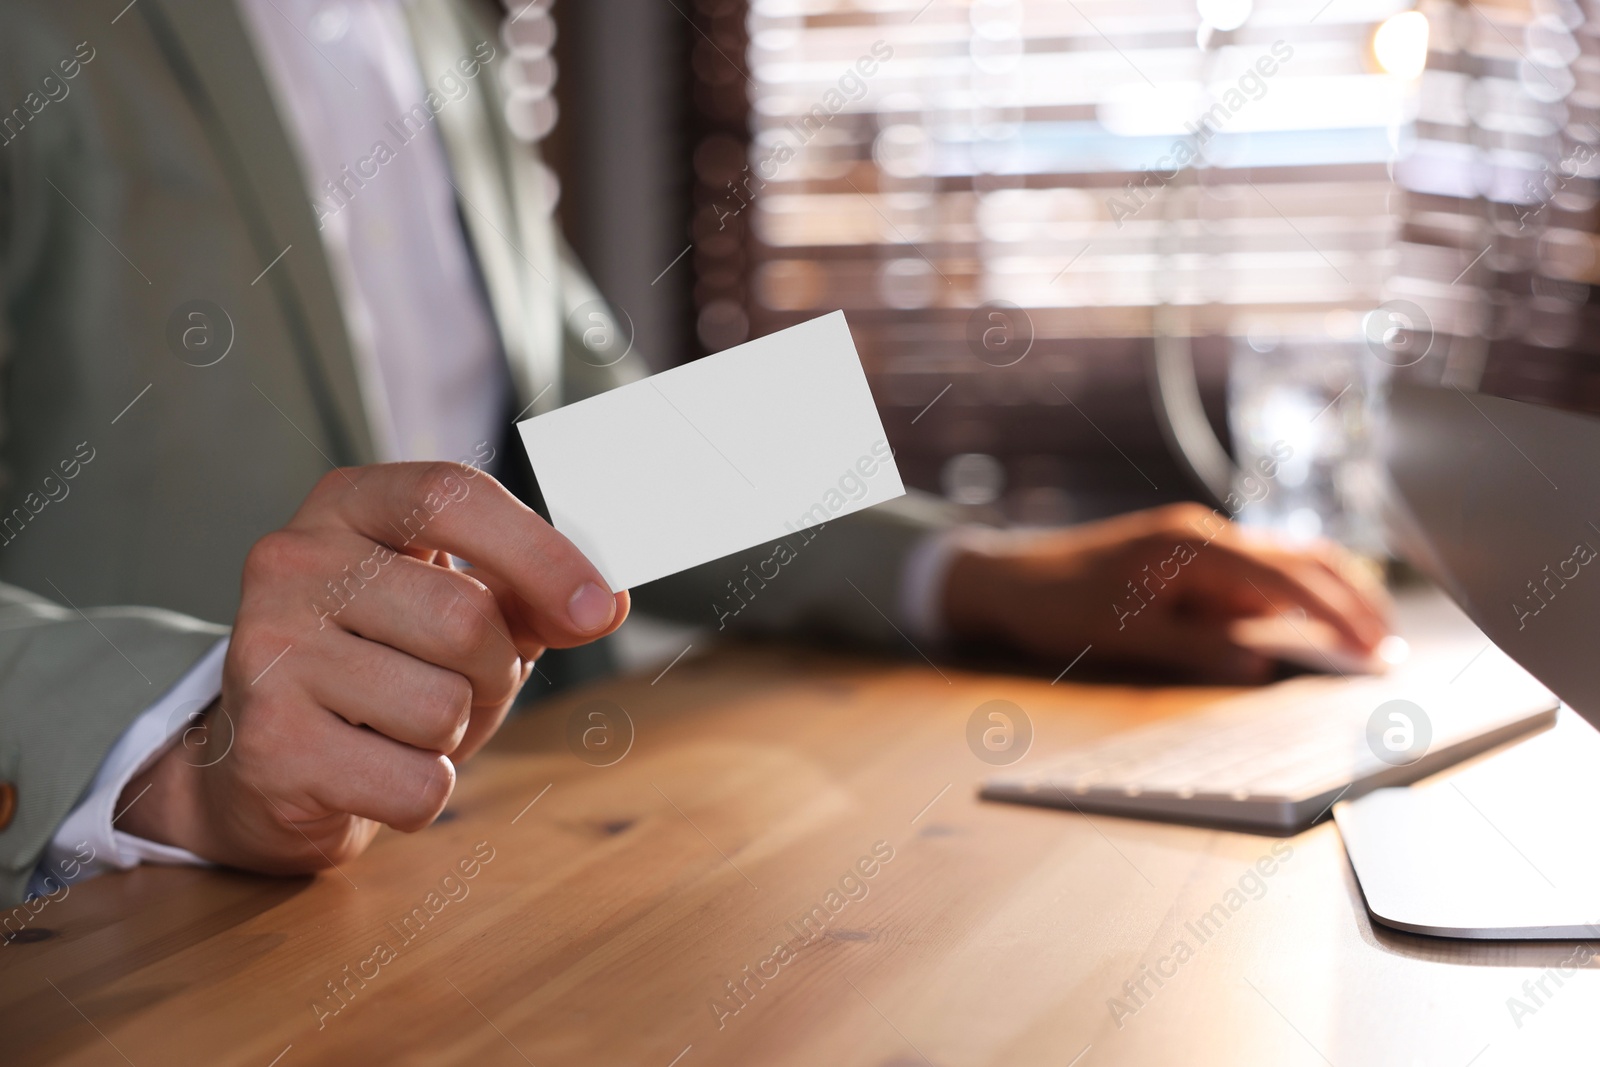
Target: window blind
{"x": 1010, "y": 197}
{"x": 1499, "y": 248}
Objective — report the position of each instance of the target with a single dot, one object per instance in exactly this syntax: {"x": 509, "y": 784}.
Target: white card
{"x": 716, "y": 456}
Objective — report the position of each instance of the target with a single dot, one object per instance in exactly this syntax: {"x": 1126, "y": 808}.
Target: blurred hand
{"x": 363, "y": 663}
{"x": 1157, "y": 588}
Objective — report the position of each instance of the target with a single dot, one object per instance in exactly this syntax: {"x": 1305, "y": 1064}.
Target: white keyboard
{"x": 1278, "y": 758}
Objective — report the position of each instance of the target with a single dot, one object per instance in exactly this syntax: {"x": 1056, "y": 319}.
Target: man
{"x": 267, "y": 265}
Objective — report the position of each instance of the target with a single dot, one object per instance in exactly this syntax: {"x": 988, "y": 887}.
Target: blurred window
{"x": 1107, "y": 168}
{"x": 1500, "y": 250}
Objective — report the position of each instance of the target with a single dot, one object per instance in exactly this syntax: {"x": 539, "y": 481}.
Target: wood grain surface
{"x": 610, "y": 910}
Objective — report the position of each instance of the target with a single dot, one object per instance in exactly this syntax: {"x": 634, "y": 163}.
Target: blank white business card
{"x": 747, "y": 446}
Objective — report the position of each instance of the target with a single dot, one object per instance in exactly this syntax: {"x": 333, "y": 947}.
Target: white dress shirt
{"x": 431, "y": 369}
{"x": 344, "y": 76}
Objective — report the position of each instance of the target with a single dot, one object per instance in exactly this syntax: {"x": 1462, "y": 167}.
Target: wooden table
{"x": 617, "y": 903}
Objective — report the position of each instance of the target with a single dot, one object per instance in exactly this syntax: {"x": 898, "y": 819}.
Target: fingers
{"x": 369, "y": 684}
{"x": 515, "y": 612}
{"x": 1327, "y": 596}
{"x": 456, "y": 509}
{"x": 443, "y": 617}
{"x": 362, "y": 773}
{"x": 1258, "y": 575}
{"x": 1280, "y": 589}
{"x": 313, "y": 771}
{"x": 1361, "y": 575}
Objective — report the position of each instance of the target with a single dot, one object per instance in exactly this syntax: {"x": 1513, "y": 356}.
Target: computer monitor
{"x": 1493, "y": 487}
{"x": 1498, "y": 499}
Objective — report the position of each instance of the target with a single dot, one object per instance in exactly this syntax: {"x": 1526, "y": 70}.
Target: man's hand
{"x": 1157, "y": 588}
{"x": 363, "y": 663}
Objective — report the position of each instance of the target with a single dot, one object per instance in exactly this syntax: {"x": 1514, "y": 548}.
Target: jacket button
{"x": 8, "y": 803}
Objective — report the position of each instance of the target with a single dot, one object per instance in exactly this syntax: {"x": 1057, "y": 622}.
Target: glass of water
{"x": 1301, "y": 413}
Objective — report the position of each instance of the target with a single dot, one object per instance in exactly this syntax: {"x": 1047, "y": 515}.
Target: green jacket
{"x": 143, "y": 167}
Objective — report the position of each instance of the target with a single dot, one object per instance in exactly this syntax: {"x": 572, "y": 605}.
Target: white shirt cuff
{"x": 86, "y": 843}
{"x": 922, "y": 579}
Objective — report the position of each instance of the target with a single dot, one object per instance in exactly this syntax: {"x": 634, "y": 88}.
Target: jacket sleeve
{"x": 841, "y": 578}
{"x": 70, "y": 683}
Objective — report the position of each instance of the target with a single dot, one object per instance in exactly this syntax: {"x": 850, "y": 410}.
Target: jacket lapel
{"x": 214, "y": 59}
